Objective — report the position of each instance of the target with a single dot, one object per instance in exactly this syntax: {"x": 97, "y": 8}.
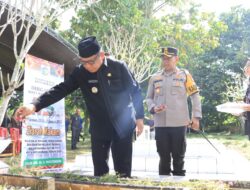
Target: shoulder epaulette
{"x": 190, "y": 84}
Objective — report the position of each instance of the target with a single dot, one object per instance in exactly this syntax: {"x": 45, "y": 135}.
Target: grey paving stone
{"x": 201, "y": 162}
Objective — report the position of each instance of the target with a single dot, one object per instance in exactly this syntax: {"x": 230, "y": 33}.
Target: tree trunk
{"x": 12, "y": 85}
{"x": 22, "y": 16}
{"x": 4, "y": 102}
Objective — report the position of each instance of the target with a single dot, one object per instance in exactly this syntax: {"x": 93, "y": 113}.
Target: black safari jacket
{"x": 120, "y": 93}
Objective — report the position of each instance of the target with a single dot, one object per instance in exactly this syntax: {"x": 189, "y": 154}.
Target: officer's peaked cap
{"x": 169, "y": 51}
{"x": 88, "y": 46}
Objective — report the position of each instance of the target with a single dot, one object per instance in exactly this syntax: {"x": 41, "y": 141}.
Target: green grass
{"x": 83, "y": 147}
{"x": 239, "y": 143}
{"x": 112, "y": 179}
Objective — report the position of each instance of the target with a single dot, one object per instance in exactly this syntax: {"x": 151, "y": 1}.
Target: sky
{"x": 217, "y": 6}
{"x": 220, "y": 6}
{"x": 65, "y": 19}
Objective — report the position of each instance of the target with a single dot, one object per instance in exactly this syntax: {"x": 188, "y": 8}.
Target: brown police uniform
{"x": 172, "y": 89}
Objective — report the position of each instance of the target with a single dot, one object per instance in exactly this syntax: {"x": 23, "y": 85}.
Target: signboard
{"x": 43, "y": 133}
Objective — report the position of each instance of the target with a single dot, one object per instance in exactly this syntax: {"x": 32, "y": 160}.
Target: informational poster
{"x": 43, "y": 133}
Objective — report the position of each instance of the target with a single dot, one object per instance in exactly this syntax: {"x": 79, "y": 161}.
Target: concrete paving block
{"x": 225, "y": 165}
{"x": 191, "y": 165}
{"x": 207, "y": 165}
{"x": 80, "y": 161}
{"x": 192, "y": 152}
{"x": 152, "y": 164}
{"x": 139, "y": 151}
{"x": 139, "y": 163}
{"x": 83, "y": 161}
{"x": 201, "y": 161}
{"x": 153, "y": 150}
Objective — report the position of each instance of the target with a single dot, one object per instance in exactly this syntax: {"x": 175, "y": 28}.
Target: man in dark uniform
{"x": 76, "y": 126}
{"x": 113, "y": 99}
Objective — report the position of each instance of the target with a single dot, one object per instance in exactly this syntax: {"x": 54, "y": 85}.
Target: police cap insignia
{"x": 169, "y": 51}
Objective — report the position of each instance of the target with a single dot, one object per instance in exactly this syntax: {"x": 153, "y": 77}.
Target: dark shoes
{"x": 169, "y": 174}
{"x": 174, "y": 173}
{"x": 179, "y": 173}
{"x": 73, "y": 148}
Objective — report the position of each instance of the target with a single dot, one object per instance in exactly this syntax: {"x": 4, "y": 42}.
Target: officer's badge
{"x": 94, "y": 90}
{"x": 166, "y": 52}
{"x": 109, "y": 75}
{"x": 170, "y": 51}
{"x": 158, "y": 86}
{"x": 157, "y": 90}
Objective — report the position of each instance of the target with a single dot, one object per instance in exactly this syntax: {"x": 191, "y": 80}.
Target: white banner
{"x": 43, "y": 133}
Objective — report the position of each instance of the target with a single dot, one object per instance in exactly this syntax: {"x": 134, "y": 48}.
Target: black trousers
{"x": 75, "y": 133}
{"x": 247, "y": 128}
{"x": 171, "y": 145}
{"x": 121, "y": 153}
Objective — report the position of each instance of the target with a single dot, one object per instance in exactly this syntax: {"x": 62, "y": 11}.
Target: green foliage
{"x": 220, "y": 70}
{"x": 196, "y": 34}
{"x": 236, "y": 142}
{"x": 213, "y": 50}
{"x": 128, "y": 15}
{"x": 55, "y": 24}
{"x": 192, "y": 31}
{"x": 101, "y": 18}
{"x": 15, "y": 169}
{"x": 235, "y": 90}
{"x": 212, "y": 80}
{"x": 95, "y": 19}
{"x": 83, "y": 147}
{"x": 73, "y": 101}
{"x": 15, "y": 102}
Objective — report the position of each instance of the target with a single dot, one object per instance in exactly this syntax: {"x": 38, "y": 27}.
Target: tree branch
{"x": 2, "y": 83}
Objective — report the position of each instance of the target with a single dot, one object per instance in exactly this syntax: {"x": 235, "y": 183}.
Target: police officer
{"x": 167, "y": 95}
{"x": 114, "y": 102}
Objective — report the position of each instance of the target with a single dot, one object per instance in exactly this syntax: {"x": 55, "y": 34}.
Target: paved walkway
{"x": 202, "y": 162}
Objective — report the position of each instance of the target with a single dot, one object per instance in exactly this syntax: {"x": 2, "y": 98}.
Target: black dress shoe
{"x": 179, "y": 173}
{"x": 169, "y": 174}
